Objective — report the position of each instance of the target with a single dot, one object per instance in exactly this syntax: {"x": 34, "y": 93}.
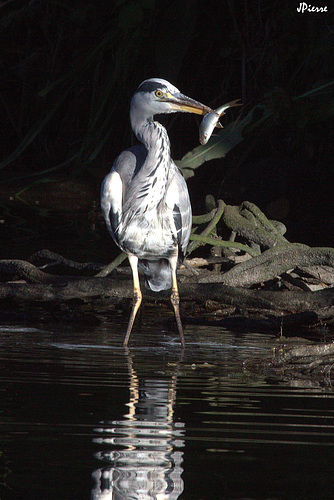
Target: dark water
{"x": 83, "y": 418}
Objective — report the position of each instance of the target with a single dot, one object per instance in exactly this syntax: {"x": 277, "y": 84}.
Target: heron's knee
{"x": 137, "y": 297}
{"x": 175, "y": 298}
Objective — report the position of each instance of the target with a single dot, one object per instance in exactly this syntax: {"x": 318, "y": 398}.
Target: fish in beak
{"x": 211, "y": 120}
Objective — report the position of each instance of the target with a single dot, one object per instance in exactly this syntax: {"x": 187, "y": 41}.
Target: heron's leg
{"x": 136, "y": 297}
{"x": 175, "y": 299}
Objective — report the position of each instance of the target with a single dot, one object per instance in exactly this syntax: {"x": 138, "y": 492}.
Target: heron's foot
{"x": 175, "y": 300}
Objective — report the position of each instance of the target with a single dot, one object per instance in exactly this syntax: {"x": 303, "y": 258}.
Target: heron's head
{"x": 156, "y": 96}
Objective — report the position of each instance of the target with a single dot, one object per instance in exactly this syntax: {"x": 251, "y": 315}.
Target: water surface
{"x": 83, "y": 418}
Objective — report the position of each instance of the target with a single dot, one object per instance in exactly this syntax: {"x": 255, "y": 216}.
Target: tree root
{"x": 248, "y": 221}
{"x": 278, "y": 260}
{"x": 272, "y": 254}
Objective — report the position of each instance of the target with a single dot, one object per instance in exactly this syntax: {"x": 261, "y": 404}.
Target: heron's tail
{"x": 158, "y": 274}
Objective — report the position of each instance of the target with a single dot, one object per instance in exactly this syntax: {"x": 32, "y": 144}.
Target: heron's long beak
{"x": 183, "y": 103}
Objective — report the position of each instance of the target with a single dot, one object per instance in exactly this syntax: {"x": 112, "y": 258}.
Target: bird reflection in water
{"x": 144, "y": 462}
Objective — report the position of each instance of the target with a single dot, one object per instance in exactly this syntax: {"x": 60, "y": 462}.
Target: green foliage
{"x": 68, "y": 70}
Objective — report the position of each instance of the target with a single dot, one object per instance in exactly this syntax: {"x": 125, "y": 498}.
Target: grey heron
{"x": 145, "y": 200}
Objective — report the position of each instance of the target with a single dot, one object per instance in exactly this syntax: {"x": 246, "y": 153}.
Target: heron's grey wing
{"x": 114, "y": 190}
{"x": 128, "y": 165}
{"x": 178, "y": 198}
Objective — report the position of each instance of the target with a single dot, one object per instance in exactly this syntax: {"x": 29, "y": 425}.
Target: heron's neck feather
{"x": 154, "y": 137}
{"x": 152, "y": 178}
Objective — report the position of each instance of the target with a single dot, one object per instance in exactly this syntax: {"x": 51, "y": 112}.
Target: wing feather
{"x": 115, "y": 188}
{"x": 177, "y": 199}
{"x": 111, "y": 202}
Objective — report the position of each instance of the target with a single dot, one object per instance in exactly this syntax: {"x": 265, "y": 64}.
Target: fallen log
{"x": 41, "y": 286}
{"x": 263, "y": 255}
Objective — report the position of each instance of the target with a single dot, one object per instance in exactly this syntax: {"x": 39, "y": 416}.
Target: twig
{"x": 113, "y": 265}
{"x": 212, "y": 224}
{"x": 222, "y": 243}
{"x": 59, "y": 259}
{"x": 202, "y": 219}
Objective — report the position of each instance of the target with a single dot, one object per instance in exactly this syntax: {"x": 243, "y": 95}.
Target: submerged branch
{"x": 306, "y": 351}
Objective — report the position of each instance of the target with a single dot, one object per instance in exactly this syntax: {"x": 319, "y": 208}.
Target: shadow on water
{"x": 83, "y": 418}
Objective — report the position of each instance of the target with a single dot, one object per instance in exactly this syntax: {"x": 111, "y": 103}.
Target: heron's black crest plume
{"x": 150, "y": 86}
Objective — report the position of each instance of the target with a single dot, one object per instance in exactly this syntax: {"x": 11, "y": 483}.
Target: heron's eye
{"x": 158, "y": 93}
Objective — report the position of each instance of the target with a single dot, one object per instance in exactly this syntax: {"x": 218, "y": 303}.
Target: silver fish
{"x": 211, "y": 120}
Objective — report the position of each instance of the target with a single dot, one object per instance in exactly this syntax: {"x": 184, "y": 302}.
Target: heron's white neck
{"x": 153, "y": 176}
{"x": 148, "y": 131}
{"x": 155, "y": 138}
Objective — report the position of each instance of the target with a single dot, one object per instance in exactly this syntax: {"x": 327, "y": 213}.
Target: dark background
{"x": 67, "y": 73}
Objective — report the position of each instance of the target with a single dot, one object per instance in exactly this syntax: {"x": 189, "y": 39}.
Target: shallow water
{"x": 83, "y": 418}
